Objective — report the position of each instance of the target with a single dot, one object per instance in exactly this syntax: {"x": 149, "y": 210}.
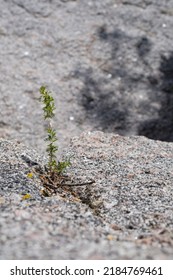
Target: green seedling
{"x": 54, "y": 167}
{"x": 52, "y": 177}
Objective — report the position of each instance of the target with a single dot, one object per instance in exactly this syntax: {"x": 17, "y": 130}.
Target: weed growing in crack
{"x": 52, "y": 178}
{"x": 54, "y": 167}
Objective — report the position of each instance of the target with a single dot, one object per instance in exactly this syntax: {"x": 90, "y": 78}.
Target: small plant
{"x": 54, "y": 167}
{"x": 52, "y": 177}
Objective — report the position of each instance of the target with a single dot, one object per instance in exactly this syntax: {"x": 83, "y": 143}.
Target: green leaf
{"x": 47, "y": 100}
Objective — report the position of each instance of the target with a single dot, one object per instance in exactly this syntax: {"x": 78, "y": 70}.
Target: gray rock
{"x": 125, "y": 214}
{"x": 17, "y": 170}
{"x": 108, "y": 62}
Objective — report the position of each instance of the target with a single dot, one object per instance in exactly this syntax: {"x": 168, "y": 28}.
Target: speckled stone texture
{"x": 126, "y": 214}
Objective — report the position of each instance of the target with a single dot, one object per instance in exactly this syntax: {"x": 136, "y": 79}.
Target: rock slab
{"x": 125, "y": 214}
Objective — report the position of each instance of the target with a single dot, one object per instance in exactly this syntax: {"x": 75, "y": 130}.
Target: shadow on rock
{"x": 102, "y": 106}
{"x": 115, "y": 104}
{"x": 161, "y": 128}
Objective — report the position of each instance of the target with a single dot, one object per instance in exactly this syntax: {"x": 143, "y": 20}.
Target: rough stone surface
{"x": 126, "y": 214}
{"x": 108, "y": 62}
{"x": 110, "y": 66}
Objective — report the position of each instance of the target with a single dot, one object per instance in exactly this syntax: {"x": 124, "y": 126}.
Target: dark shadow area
{"x": 162, "y": 127}
{"x": 116, "y": 107}
{"x": 102, "y": 107}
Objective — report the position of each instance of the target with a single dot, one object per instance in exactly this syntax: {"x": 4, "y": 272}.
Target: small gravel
{"x": 125, "y": 214}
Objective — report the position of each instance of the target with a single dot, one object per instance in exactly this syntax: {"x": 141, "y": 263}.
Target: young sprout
{"x": 47, "y": 100}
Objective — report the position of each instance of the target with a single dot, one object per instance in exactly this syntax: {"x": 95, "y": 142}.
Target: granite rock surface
{"x": 125, "y": 214}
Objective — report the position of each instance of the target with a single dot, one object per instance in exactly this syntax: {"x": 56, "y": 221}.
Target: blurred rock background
{"x": 108, "y": 62}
